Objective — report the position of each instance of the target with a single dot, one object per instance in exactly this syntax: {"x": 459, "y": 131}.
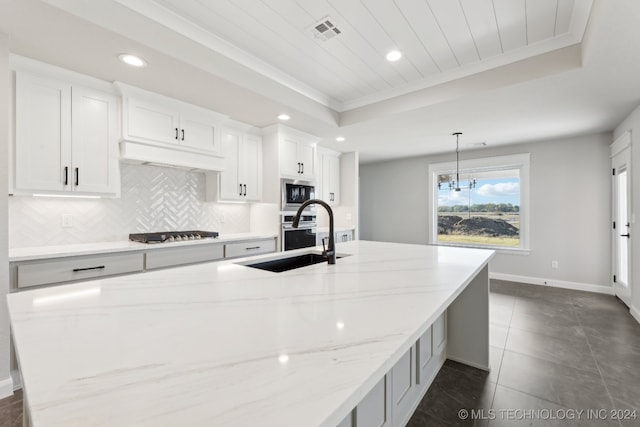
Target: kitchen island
{"x": 224, "y": 344}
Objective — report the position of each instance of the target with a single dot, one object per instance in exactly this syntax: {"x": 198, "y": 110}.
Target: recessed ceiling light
{"x": 284, "y": 117}
{"x": 394, "y": 55}
{"x": 134, "y": 61}
{"x": 340, "y": 138}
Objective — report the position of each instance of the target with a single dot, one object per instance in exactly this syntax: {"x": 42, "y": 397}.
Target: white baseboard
{"x": 635, "y": 313}
{"x": 6, "y": 388}
{"x": 588, "y": 287}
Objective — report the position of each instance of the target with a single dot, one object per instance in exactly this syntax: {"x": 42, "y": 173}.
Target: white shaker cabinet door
{"x": 306, "y": 157}
{"x": 251, "y": 166}
{"x": 199, "y": 131}
{"x": 289, "y": 163}
{"x": 94, "y": 141}
{"x": 43, "y": 133}
{"x": 230, "y": 187}
{"x": 152, "y": 121}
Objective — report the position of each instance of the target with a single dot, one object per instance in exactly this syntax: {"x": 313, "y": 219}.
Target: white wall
{"x": 569, "y": 217}
{"x": 632, "y": 123}
{"x": 153, "y": 199}
{"x": 6, "y": 387}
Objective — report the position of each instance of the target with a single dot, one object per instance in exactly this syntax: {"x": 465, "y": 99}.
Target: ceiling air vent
{"x": 325, "y": 29}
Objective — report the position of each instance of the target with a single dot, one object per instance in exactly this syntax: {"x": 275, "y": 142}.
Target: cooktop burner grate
{"x": 172, "y": 236}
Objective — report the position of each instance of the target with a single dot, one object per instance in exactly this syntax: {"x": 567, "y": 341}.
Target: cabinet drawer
{"x": 77, "y": 268}
{"x": 255, "y": 247}
{"x": 170, "y": 257}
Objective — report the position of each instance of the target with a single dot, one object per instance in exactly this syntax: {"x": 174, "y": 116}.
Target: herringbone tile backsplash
{"x": 153, "y": 199}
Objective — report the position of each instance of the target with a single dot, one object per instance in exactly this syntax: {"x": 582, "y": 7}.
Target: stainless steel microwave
{"x": 295, "y": 194}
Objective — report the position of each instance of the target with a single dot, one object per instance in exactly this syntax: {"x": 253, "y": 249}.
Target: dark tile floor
{"x": 554, "y": 353}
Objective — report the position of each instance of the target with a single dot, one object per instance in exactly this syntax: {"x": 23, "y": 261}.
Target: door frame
{"x": 621, "y": 146}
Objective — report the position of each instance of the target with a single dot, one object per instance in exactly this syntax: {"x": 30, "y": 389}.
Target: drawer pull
{"x": 253, "y": 247}
{"x": 100, "y": 267}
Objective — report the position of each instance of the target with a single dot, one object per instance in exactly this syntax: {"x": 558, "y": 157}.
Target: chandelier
{"x": 454, "y": 183}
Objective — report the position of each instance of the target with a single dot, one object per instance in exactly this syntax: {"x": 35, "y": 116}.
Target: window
{"x": 486, "y": 208}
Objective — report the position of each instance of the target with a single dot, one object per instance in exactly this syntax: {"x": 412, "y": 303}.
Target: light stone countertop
{"x": 222, "y": 344}
{"x": 59, "y": 251}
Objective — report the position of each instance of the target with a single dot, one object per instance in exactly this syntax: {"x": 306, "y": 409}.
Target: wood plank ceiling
{"x": 440, "y": 39}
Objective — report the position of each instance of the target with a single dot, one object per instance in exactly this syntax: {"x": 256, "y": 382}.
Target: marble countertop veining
{"x": 223, "y": 344}
{"x": 59, "y": 251}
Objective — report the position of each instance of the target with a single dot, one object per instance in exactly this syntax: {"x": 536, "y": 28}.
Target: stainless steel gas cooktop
{"x": 172, "y": 236}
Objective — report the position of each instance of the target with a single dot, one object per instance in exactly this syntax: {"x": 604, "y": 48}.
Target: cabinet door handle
{"x": 302, "y": 167}
{"x": 182, "y": 135}
{"x": 298, "y": 167}
{"x": 245, "y": 189}
{"x": 66, "y": 175}
{"x": 252, "y": 248}
{"x": 176, "y": 134}
{"x": 625, "y": 235}
{"x": 77, "y": 177}
{"x": 240, "y": 194}
{"x": 99, "y": 267}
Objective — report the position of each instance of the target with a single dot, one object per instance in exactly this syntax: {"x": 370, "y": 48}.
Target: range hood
{"x": 155, "y": 155}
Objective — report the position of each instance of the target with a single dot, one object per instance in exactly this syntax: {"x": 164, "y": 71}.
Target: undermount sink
{"x": 289, "y": 263}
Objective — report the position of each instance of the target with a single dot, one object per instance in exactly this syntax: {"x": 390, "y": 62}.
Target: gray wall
{"x": 569, "y": 216}
{"x": 5, "y": 384}
{"x": 632, "y": 123}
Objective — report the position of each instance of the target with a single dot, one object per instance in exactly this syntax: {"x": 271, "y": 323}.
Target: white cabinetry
{"x": 329, "y": 176}
{"x": 158, "y": 129}
{"x": 393, "y": 399}
{"x": 240, "y": 179}
{"x": 297, "y": 157}
{"x": 375, "y": 408}
{"x": 172, "y": 123}
{"x": 71, "y": 269}
{"x": 66, "y": 138}
{"x": 170, "y": 257}
{"x": 249, "y": 248}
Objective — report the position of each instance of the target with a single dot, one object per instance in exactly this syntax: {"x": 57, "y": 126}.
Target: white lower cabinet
{"x": 170, "y": 257}
{"x": 52, "y": 271}
{"x": 403, "y": 387}
{"x": 253, "y": 247}
{"x": 348, "y": 421}
{"x": 391, "y": 402}
{"x": 374, "y": 409}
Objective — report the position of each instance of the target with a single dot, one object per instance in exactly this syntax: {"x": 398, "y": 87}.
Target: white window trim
{"x": 517, "y": 161}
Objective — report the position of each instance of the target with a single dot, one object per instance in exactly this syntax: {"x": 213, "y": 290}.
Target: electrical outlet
{"x": 554, "y": 264}
{"x": 67, "y": 220}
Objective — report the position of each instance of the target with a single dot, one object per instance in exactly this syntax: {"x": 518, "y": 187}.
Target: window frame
{"x": 516, "y": 161}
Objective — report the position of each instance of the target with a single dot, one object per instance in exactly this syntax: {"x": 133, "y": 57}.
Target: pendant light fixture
{"x": 454, "y": 183}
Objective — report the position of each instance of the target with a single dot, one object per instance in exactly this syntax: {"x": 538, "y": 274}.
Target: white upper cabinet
{"x": 65, "y": 138}
{"x": 172, "y": 122}
{"x": 297, "y": 157}
{"x": 240, "y": 179}
{"x": 251, "y": 167}
{"x": 161, "y": 130}
{"x": 152, "y": 121}
{"x": 230, "y": 186}
{"x": 329, "y": 176}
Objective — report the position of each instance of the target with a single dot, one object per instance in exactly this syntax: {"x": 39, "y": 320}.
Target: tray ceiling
{"x": 441, "y": 40}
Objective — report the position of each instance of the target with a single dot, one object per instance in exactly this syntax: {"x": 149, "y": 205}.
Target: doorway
{"x": 621, "y": 214}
